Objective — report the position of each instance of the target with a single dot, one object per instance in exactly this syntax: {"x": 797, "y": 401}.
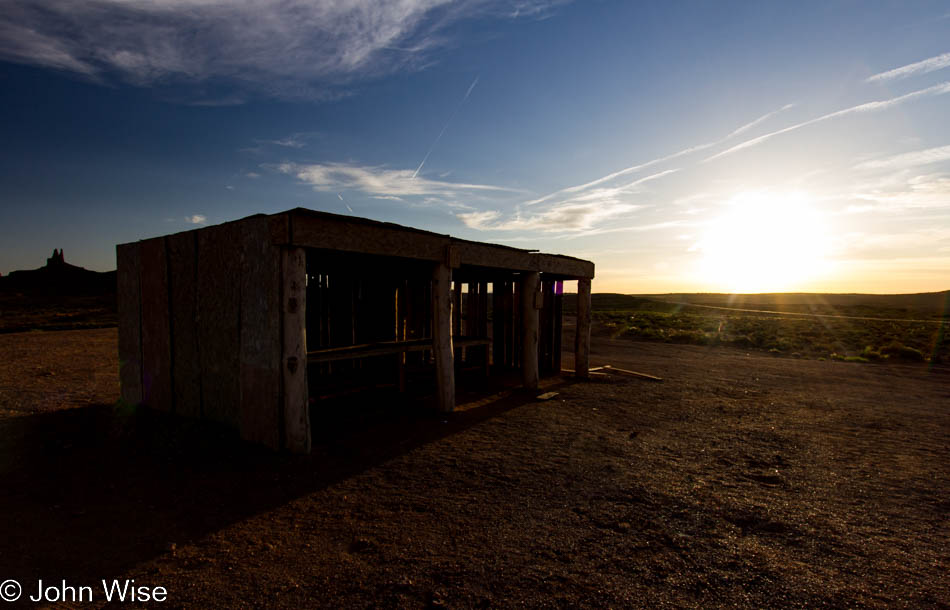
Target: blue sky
{"x": 680, "y": 146}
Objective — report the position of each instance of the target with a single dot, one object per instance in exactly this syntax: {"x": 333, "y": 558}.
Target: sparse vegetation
{"x": 852, "y": 333}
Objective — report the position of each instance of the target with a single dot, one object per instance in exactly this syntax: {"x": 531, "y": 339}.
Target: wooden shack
{"x": 240, "y": 323}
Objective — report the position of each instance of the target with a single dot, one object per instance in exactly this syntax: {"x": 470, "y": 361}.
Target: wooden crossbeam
{"x": 384, "y": 348}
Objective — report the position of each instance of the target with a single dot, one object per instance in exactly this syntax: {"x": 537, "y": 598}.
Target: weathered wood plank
{"x": 496, "y": 257}
{"x": 182, "y": 282}
{"x": 582, "y": 331}
{"x": 156, "y": 330}
{"x": 442, "y": 336}
{"x": 129, "y": 297}
{"x": 219, "y": 324}
{"x": 529, "y": 329}
{"x": 565, "y": 266}
{"x": 294, "y": 367}
{"x": 369, "y": 238}
{"x": 260, "y": 335}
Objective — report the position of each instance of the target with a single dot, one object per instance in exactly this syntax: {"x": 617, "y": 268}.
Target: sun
{"x": 764, "y": 242}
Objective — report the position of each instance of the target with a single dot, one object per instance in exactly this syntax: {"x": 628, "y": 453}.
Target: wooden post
{"x": 294, "y": 369}
{"x": 498, "y": 323}
{"x": 558, "y": 311}
{"x": 442, "y": 336}
{"x": 529, "y": 328}
{"x": 582, "y": 332}
{"x": 457, "y": 316}
{"x": 400, "y": 307}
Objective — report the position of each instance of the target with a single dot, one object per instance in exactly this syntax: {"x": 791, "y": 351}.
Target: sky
{"x": 680, "y": 146}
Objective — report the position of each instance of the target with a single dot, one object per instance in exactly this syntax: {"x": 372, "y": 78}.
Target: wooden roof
{"x": 313, "y": 229}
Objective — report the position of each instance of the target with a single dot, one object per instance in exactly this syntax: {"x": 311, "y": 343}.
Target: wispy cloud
{"x": 909, "y": 159}
{"x": 446, "y": 126}
{"x": 754, "y": 123}
{"x": 196, "y": 219}
{"x": 581, "y": 209}
{"x": 560, "y": 218}
{"x": 286, "y": 48}
{"x": 569, "y": 191}
{"x": 921, "y": 67}
{"x": 581, "y": 213}
{"x": 941, "y": 89}
{"x": 641, "y": 166}
{"x": 902, "y": 192}
{"x": 294, "y": 140}
{"x": 378, "y": 181}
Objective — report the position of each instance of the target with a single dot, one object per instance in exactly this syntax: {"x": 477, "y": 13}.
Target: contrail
{"x": 340, "y": 195}
{"x": 446, "y": 126}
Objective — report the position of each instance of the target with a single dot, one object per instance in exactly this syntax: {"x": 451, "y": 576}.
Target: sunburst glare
{"x": 764, "y": 242}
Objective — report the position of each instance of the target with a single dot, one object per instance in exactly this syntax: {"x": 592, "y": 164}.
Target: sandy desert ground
{"x": 742, "y": 479}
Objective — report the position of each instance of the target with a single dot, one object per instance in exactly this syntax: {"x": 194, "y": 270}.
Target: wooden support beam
{"x": 530, "y": 298}
{"x": 516, "y": 325}
{"x": 582, "y": 331}
{"x": 471, "y": 316}
{"x": 545, "y": 328}
{"x": 365, "y": 237}
{"x": 498, "y": 323}
{"x": 442, "y": 336}
{"x": 509, "y": 318}
{"x": 457, "y": 308}
{"x": 294, "y": 369}
{"x": 558, "y": 314}
{"x": 400, "y": 306}
{"x": 564, "y": 266}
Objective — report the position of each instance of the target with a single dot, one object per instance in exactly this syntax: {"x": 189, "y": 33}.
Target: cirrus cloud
{"x": 379, "y": 182}
{"x": 282, "y": 48}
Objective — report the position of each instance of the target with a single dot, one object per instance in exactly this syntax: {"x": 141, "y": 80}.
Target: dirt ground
{"x": 740, "y": 480}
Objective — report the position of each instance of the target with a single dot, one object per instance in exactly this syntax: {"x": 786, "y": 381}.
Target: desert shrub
{"x": 855, "y": 359}
{"x": 898, "y": 351}
{"x": 741, "y": 341}
{"x": 695, "y": 337}
{"x": 909, "y": 341}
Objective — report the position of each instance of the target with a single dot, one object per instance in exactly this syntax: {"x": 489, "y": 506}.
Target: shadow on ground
{"x": 89, "y": 492}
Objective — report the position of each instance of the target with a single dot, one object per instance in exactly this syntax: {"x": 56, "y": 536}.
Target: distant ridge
{"x": 59, "y": 278}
